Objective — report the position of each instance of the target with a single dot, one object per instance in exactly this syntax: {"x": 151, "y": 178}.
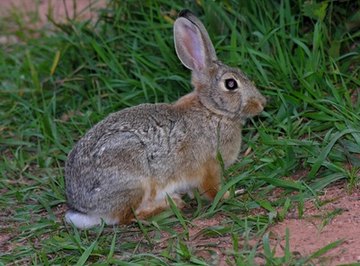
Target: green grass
{"x": 304, "y": 57}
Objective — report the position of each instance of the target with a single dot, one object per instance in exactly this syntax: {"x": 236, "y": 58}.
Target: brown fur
{"x": 253, "y": 107}
{"x": 157, "y": 207}
{"x": 211, "y": 180}
{"x": 126, "y": 213}
{"x": 187, "y": 102}
{"x": 153, "y": 190}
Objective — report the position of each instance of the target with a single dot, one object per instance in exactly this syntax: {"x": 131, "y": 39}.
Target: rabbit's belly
{"x": 156, "y": 195}
{"x": 177, "y": 188}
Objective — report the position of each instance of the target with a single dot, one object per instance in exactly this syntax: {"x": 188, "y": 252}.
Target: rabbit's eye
{"x": 231, "y": 84}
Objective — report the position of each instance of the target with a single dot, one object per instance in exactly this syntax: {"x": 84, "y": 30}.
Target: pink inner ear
{"x": 194, "y": 46}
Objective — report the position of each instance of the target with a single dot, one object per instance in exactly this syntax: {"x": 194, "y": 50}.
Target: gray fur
{"x": 162, "y": 143}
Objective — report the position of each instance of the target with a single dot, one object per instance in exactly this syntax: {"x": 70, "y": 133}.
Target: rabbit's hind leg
{"x": 154, "y": 207}
{"x": 155, "y": 199}
{"x": 124, "y": 214}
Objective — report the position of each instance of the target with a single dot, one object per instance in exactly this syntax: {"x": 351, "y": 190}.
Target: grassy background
{"x": 55, "y": 85}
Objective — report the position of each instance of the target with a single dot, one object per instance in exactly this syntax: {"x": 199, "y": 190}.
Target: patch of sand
{"x": 337, "y": 219}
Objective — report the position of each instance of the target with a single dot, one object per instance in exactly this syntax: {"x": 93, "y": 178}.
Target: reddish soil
{"x": 213, "y": 247}
{"x": 28, "y": 15}
{"x": 337, "y": 219}
{"x": 332, "y": 216}
{"x": 39, "y": 10}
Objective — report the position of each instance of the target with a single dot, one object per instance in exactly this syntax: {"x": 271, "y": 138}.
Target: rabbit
{"x": 127, "y": 165}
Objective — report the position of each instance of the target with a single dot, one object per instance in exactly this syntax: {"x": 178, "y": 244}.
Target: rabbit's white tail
{"x": 83, "y": 221}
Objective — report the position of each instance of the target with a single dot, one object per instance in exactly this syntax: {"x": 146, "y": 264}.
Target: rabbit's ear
{"x": 192, "y": 43}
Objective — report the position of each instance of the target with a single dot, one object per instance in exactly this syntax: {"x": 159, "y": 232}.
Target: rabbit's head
{"x": 222, "y": 89}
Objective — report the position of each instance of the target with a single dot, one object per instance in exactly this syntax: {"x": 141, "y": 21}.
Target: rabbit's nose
{"x": 262, "y": 100}
{"x": 261, "y": 106}
{"x": 255, "y": 106}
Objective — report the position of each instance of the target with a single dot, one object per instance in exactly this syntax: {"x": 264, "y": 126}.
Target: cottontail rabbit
{"x": 127, "y": 164}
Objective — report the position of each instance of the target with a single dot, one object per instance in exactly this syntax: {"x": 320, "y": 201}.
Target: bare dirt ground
{"x": 332, "y": 216}
{"x": 58, "y": 9}
{"x": 338, "y": 217}
{"x": 35, "y": 14}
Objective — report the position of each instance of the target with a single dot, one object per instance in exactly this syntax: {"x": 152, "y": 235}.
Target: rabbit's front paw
{"x": 226, "y": 195}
